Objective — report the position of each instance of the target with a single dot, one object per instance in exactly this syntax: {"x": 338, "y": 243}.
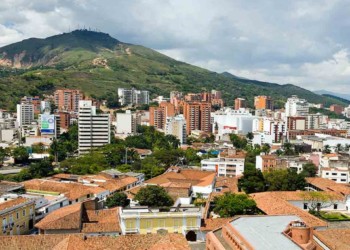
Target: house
{"x": 229, "y": 163}
{"x": 81, "y": 218}
{"x": 286, "y": 232}
{"x": 145, "y": 220}
{"x": 17, "y": 216}
{"x": 81, "y": 242}
{"x": 201, "y": 181}
{"x": 75, "y": 192}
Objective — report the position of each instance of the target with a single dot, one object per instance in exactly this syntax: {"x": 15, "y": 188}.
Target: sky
{"x": 306, "y": 43}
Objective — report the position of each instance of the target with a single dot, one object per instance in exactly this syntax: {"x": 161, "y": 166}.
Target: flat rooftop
{"x": 266, "y": 232}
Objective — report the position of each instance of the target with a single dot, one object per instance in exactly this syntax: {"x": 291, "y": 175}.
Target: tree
{"x": 252, "y": 181}
{"x": 20, "y": 154}
{"x": 339, "y": 148}
{"x": 266, "y": 148}
{"x": 326, "y": 149}
{"x": 318, "y": 200}
{"x": 118, "y": 199}
{"x": 154, "y": 196}
{"x": 250, "y": 136}
{"x": 309, "y": 170}
{"x": 230, "y": 204}
{"x": 284, "y": 180}
{"x": 41, "y": 169}
{"x": 3, "y": 155}
{"x": 238, "y": 142}
{"x": 288, "y": 149}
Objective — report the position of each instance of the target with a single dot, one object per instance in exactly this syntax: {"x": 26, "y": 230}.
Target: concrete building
{"x": 176, "y": 126}
{"x": 263, "y": 102}
{"x": 93, "y": 129}
{"x": 286, "y": 232}
{"x": 158, "y": 115}
{"x": 197, "y": 115}
{"x": 17, "y": 216}
{"x": 296, "y": 107}
{"x": 240, "y": 103}
{"x": 144, "y": 220}
{"x": 25, "y": 114}
{"x": 127, "y": 122}
{"x": 68, "y": 99}
{"x": 262, "y": 138}
{"x": 229, "y": 163}
{"x": 338, "y": 109}
{"x": 227, "y": 121}
{"x": 133, "y": 96}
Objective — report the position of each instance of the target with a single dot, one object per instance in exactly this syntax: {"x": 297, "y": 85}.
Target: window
{"x": 305, "y": 205}
{"x": 61, "y": 204}
{"x": 24, "y": 212}
{"x": 17, "y": 215}
{"x": 343, "y": 180}
{"x": 335, "y": 206}
{"x": 334, "y": 173}
{"x": 343, "y": 174}
{"x": 4, "y": 222}
{"x": 327, "y": 173}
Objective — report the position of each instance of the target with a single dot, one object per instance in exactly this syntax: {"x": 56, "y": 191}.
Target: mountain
{"x": 98, "y": 64}
{"x": 325, "y": 92}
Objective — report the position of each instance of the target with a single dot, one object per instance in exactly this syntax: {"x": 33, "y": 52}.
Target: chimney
{"x": 300, "y": 232}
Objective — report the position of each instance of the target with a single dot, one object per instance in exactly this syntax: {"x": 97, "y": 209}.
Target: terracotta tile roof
{"x": 195, "y": 177}
{"x": 77, "y": 242}
{"x": 117, "y": 184}
{"x": 299, "y": 195}
{"x": 334, "y": 238}
{"x": 72, "y": 191}
{"x": 228, "y": 184}
{"x": 12, "y": 203}
{"x": 273, "y": 205}
{"x": 28, "y": 242}
{"x": 105, "y": 220}
{"x": 133, "y": 191}
{"x": 64, "y": 218}
{"x": 329, "y": 185}
{"x": 212, "y": 224}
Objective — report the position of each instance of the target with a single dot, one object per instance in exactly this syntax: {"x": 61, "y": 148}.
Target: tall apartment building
{"x": 158, "y": 115}
{"x": 338, "y": 109}
{"x": 176, "y": 126}
{"x": 263, "y": 102}
{"x": 67, "y": 99}
{"x": 133, "y": 96}
{"x": 93, "y": 129}
{"x": 25, "y": 114}
{"x": 35, "y": 100}
{"x": 127, "y": 122}
{"x": 197, "y": 115}
{"x": 240, "y": 103}
{"x": 296, "y": 107}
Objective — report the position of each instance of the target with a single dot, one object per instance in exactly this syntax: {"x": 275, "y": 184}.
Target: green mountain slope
{"x": 98, "y": 64}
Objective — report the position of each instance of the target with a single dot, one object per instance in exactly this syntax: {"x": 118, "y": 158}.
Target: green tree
{"x": 318, "y": 200}
{"x": 238, "y": 142}
{"x": 20, "y": 154}
{"x": 284, "y": 180}
{"x": 41, "y": 169}
{"x": 252, "y": 181}
{"x": 288, "y": 149}
{"x": 154, "y": 196}
{"x": 309, "y": 170}
{"x": 230, "y": 204}
{"x": 3, "y": 155}
{"x": 266, "y": 148}
{"x": 250, "y": 136}
{"x": 327, "y": 149}
{"x": 118, "y": 199}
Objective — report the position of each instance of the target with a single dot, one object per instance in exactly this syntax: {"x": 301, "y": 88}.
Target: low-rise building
{"x": 144, "y": 220}
{"x": 229, "y": 163}
{"x": 17, "y": 216}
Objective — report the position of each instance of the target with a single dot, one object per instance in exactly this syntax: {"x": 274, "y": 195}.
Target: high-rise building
{"x": 215, "y": 94}
{"x": 197, "y": 115}
{"x": 25, "y": 114}
{"x": 133, "y": 96}
{"x": 127, "y": 122}
{"x": 263, "y": 102}
{"x": 93, "y": 129}
{"x": 240, "y": 103}
{"x": 67, "y": 99}
{"x": 35, "y": 100}
{"x": 338, "y": 109}
{"x": 176, "y": 126}
{"x": 158, "y": 115}
{"x": 296, "y": 107}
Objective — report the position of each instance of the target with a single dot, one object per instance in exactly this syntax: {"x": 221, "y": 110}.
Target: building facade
{"x": 68, "y": 99}
{"x": 93, "y": 129}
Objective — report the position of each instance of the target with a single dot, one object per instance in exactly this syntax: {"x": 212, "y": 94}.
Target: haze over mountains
{"x": 98, "y": 64}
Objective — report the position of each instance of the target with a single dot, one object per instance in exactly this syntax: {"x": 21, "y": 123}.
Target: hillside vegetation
{"x": 98, "y": 64}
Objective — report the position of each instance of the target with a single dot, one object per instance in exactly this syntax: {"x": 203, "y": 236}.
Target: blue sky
{"x": 300, "y": 42}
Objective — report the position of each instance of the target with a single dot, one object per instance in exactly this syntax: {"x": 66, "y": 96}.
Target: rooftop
{"x": 13, "y": 203}
{"x": 265, "y": 232}
{"x": 78, "y": 242}
{"x": 271, "y": 204}
{"x": 334, "y": 238}
{"x": 329, "y": 185}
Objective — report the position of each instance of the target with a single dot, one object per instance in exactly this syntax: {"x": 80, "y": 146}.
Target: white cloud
{"x": 281, "y": 41}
